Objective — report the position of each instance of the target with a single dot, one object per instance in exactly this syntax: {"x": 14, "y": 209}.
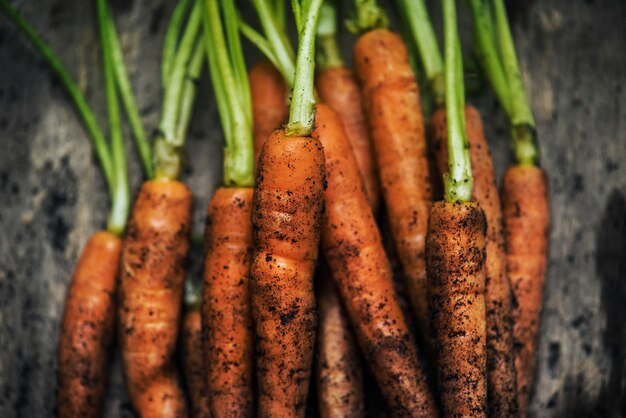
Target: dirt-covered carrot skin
{"x": 338, "y": 88}
{"x": 270, "y": 108}
{"x": 353, "y": 248}
{"x": 286, "y": 217}
{"x": 193, "y": 364}
{"x": 392, "y": 104}
{"x": 87, "y": 329}
{"x": 455, "y": 257}
{"x": 228, "y": 338}
{"x": 151, "y": 288}
{"x": 526, "y": 215}
{"x": 501, "y": 376}
{"x": 339, "y": 369}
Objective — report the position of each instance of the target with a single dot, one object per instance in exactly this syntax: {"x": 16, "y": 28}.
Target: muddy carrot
{"x": 455, "y": 257}
{"x": 269, "y": 102}
{"x": 501, "y": 377}
{"x": 353, "y": 248}
{"x": 525, "y": 205}
{"x": 338, "y": 88}
{"x": 339, "y": 370}
{"x": 193, "y": 364}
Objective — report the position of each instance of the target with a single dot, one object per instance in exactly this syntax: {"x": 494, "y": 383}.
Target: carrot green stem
{"x": 229, "y": 76}
{"x": 277, "y": 39}
{"x": 368, "y": 16}
{"x": 128, "y": 99}
{"x": 190, "y": 88}
{"x": 121, "y": 196}
{"x": 423, "y": 33}
{"x": 520, "y": 114}
{"x": 458, "y": 182}
{"x": 93, "y": 129}
{"x": 487, "y": 51}
{"x": 328, "y": 53}
{"x": 280, "y": 12}
{"x": 260, "y": 42}
{"x": 171, "y": 40}
{"x": 302, "y": 110}
{"x": 167, "y": 145}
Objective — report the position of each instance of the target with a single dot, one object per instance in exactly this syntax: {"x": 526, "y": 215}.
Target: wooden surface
{"x": 52, "y": 193}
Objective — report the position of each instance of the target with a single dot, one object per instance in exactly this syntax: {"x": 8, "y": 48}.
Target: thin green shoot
{"x": 171, "y": 40}
{"x": 259, "y": 41}
{"x": 368, "y": 16}
{"x": 189, "y": 90}
{"x": 328, "y": 51}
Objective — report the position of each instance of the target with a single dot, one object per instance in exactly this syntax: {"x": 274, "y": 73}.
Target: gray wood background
{"x": 573, "y": 55}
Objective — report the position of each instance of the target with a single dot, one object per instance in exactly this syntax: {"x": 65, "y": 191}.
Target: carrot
{"x": 339, "y": 372}
{"x": 455, "y": 258}
{"x": 526, "y": 220}
{"x": 193, "y": 365}
{"x": 227, "y": 321}
{"x": 286, "y": 218}
{"x": 152, "y": 277}
{"x": 393, "y": 107}
{"x": 339, "y": 90}
{"x": 269, "y": 102}
{"x": 501, "y": 377}
{"x": 353, "y": 248}
{"x": 87, "y": 328}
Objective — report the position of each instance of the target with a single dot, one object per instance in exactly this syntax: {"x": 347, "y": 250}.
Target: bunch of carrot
{"x": 308, "y": 164}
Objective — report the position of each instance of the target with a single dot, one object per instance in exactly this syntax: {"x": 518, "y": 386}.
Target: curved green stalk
{"x": 260, "y": 42}
{"x": 279, "y": 12}
{"x": 368, "y": 16}
{"x": 190, "y": 88}
{"x": 171, "y": 40}
{"x": 128, "y": 99}
{"x": 458, "y": 182}
{"x": 230, "y": 82}
{"x": 520, "y": 114}
{"x": 328, "y": 52}
{"x": 417, "y": 17}
{"x": 487, "y": 52}
{"x": 93, "y": 129}
{"x": 121, "y": 197}
{"x": 277, "y": 39}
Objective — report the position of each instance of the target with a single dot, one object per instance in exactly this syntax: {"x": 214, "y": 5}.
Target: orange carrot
{"x": 393, "y": 107}
{"x": 526, "y": 221}
{"x": 455, "y": 257}
{"x": 501, "y": 378}
{"x": 88, "y": 327}
{"x": 226, "y": 315}
{"x": 339, "y": 90}
{"x": 339, "y": 372}
{"x": 193, "y": 365}
{"x": 353, "y": 248}
{"x": 151, "y": 288}
{"x": 268, "y": 91}
{"x": 286, "y": 217}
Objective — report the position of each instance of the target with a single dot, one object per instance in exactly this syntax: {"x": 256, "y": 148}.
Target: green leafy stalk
{"x": 417, "y": 17}
{"x": 458, "y": 182}
{"x": 282, "y": 52}
{"x": 368, "y": 16}
{"x": 121, "y": 197}
{"x": 171, "y": 40}
{"x": 189, "y": 90}
{"x": 128, "y": 99}
{"x": 93, "y": 129}
{"x": 487, "y": 51}
{"x": 228, "y": 73}
{"x": 260, "y": 42}
{"x": 167, "y": 145}
{"x": 520, "y": 114}
{"x": 279, "y": 12}
{"x": 328, "y": 53}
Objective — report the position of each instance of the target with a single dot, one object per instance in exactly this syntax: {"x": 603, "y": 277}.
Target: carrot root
{"x": 193, "y": 364}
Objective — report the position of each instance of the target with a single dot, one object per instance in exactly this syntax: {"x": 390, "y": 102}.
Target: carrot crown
{"x": 458, "y": 182}
{"x": 328, "y": 53}
{"x": 368, "y": 16}
{"x": 496, "y": 52}
{"x": 423, "y": 34}
{"x": 232, "y": 91}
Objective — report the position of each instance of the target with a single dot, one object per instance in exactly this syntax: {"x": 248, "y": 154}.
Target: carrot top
{"x": 423, "y": 34}
{"x": 368, "y": 16}
{"x": 232, "y": 91}
{"x": 328, "y": 53}
{"x": 458, "y": 182}
{"x": 496, "y": 52}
